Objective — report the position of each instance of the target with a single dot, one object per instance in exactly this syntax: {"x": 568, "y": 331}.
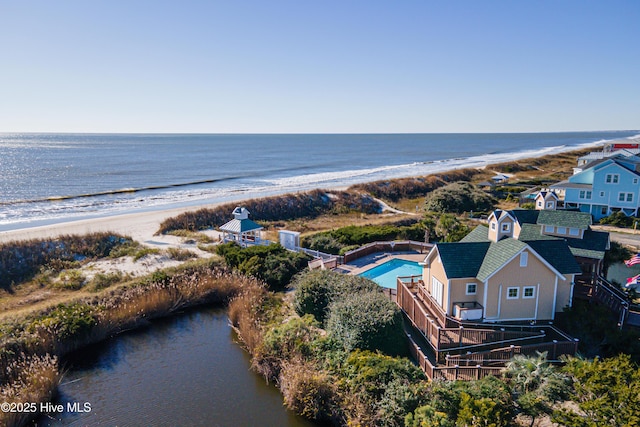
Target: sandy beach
{"x": 140, "y": 226}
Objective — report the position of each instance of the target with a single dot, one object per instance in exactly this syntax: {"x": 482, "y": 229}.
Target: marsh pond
{"x": 183, "y": 370}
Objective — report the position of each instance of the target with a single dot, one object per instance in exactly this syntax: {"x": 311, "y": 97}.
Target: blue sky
{"x": 319, "y": 66}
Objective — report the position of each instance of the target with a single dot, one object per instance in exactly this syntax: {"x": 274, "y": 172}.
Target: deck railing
{"x": 452, "y": 373}
{"x": 398, "y": 245}
{"x": 500, "y": 356}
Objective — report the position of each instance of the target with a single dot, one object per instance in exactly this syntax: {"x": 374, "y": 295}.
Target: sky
{"x": 302, "y": 66}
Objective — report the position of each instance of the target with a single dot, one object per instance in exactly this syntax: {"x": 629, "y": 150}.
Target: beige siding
{"x": 459, "y": 291}
{"x": 493, "y": 233}
{"x": 435, "y": 268}
{"x": 536, "y": 275}
{"x": 564, "y": 293}
{"x": 506, "y": 220}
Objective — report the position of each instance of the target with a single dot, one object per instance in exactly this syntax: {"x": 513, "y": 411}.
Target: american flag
{"x": 632, "y": 281}
{"x": 633, "y": 260}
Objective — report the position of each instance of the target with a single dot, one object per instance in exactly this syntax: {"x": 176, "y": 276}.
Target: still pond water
{"x": 183, "y": 370}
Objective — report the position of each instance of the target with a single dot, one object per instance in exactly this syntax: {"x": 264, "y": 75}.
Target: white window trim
{"x": 505, "y": 227}
{"x": 475, "y": 287}
{"x": 524, "y": 259}
{"x": 549, "y": 228}
{"x": 517, "y": 292}
{"x": 549, "y": 204}
{"x": 524, "y": 292}
{"x": 493, "y": 225}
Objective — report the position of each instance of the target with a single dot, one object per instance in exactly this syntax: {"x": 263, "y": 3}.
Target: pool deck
{"x": 365, "y": 263}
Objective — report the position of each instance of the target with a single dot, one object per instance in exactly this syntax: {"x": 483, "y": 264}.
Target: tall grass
{"x": 20, "y": 261}
{"x": 29, "y": 347}
{"x": 308, "y": 204}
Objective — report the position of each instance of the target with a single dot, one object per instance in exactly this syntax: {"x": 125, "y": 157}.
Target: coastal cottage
{"x": 604, "y": 186}
{"x": 241, "y": 229}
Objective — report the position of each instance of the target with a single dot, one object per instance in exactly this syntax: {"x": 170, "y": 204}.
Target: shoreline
{"x": 143, "y": 225}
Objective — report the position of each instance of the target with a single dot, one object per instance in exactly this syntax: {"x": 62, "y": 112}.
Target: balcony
{"x": 467, "y": 311}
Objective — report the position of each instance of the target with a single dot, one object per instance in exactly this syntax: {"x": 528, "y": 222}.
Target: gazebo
{"x": 241, "y": 229}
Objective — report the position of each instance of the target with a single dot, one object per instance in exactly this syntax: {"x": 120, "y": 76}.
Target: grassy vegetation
{"x": 289, "y": 206}
{"x": 21, "y": 261}
{"x": 30, "y": 345}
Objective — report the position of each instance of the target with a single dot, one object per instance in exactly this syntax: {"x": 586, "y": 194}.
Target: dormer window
{"x": 506, "y": 227}
{"x": 539, "y": 203}
{"x": 549, "y": 205}
{"x": 493, "y": 225}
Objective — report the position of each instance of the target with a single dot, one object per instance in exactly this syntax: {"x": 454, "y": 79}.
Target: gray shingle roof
{"x": 497, "y": 255}
{"x": 573, "y": 219}
{"x": 558, "y": 254}
{"x": 462, "y": 259}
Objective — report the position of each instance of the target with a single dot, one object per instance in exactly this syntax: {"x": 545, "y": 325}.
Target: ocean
{"x": 49, "y": 178}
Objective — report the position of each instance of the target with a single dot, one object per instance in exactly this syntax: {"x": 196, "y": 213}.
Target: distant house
{"x": 604, "y": 186}
{"x": 241, "y": 229}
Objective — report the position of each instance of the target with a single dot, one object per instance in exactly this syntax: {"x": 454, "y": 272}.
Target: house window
{"x": 512, "y": 293}
{"x": 437, "y": 290}
{"x": 635, "y": 180}
{"x": 548, "y": 228}
{"x": 529, "y": 292}
{"x": 574, "y": 232}
{"x": 602, "y": 194}
{"x": 612, "y": 178}
{"x": 562, "y": 230}
{"x": 524, "y": 256}
{"x": 493, "y": 225}
{"x": 506, "y": 227}
{"x": 539, "y": 204}
{"x": 549, "y": 205}
{"x": 603, "y": 210}
{"x": 625, "y": 197}
{"x": 472, "y": 288}
{"x": 585, "y": 194}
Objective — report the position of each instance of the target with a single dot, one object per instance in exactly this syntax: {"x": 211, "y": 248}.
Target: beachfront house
{"x": 604, "y": 186}
{"x": 241, "y": 229}
{"x": 500, "y": 278}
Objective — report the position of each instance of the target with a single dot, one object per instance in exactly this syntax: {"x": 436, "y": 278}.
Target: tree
{"x": 606, "y": 391}
{"x": 536, "y": 384}
{"x": 450, "y": 229}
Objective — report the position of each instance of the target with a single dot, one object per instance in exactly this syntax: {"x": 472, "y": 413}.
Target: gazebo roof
{"x": 238, "y": 226}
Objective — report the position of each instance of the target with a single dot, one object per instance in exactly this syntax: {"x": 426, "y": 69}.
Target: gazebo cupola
{"x": 241, "y": 229}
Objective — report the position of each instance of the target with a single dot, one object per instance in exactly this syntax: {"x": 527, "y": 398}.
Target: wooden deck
{"x": 465, "y": 350}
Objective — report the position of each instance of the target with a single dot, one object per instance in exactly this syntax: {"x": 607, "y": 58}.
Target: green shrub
{"x": 459, "y": 197}
{"x": 619, "y": 219}
{"x": 104, "y": 280}
{"x": 272, "y": 264}
{"x": 316, "y": 289}
{"x": 71, "y": 280}
{"x": 486, "y": 402}
{"x": 367, "y": 321}
{"x": 67, "y": 321}
{"x": 180, "y": 254}
{"x": 335, "y": 241}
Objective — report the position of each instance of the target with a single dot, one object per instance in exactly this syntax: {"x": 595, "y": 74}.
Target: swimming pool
{"x": 386, "y": 274}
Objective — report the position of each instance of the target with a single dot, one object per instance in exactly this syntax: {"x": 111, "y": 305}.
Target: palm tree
{"x": 536, "y": 384}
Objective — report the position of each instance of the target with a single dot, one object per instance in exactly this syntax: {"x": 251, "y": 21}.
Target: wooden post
{"x": 460, "y": 336}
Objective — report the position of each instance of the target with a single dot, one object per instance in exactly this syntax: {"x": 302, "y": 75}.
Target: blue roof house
{"x": 604, "y": 186}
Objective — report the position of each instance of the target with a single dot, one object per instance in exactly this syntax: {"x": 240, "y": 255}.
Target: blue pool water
{"x": 386, "y": 274}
